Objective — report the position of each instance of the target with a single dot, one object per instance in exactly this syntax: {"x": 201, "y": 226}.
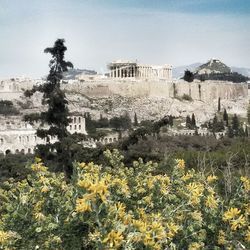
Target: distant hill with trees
{"x": 179, "y": 71}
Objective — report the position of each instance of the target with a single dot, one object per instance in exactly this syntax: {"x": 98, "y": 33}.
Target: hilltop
{"x": 211, "y": 66}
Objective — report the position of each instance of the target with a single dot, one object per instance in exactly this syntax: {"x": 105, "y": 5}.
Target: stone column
{"x": 116, "y": 72}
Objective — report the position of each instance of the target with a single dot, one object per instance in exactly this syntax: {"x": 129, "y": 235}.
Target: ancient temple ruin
{"x": 129, "y": 69}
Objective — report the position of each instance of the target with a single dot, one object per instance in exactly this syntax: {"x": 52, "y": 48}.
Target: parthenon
{"x": 128, "y": 69}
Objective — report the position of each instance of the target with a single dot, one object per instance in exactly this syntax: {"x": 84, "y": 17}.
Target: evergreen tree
{"x": 171, "y": 120}
{"x": 188, "y": 122}
{"x": 135, "y": 120}
{"x": 246, "y": 132}
{"x": 235, "y": 125}
{"x": 225, "y": 117}
{"x": 56, "y": 117}
{"x": 219, "y": 107}
{"x": 188, "y": 76}
{"x": 193, "y": 122}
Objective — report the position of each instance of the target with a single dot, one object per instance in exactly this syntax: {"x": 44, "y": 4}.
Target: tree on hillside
{"x": 235, "y": 125}
{"x": 56, "y": 117}
{"x": 219, "y": 105}
{"x": 135, "y": 120}
{"x": 188, "y": 76}
{"x": 193, "y": 121}
{"x": 225, "y": 117}
{"x": 188, "y": 122}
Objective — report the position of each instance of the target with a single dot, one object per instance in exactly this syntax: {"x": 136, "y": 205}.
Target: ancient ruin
{"x": 128, "y": 69}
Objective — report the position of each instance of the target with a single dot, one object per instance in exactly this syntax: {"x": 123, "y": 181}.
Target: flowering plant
{"x": 115, "y": 207}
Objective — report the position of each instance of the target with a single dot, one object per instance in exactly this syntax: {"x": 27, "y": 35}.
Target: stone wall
{"x": 204, "y": 91}
{"x": 99, "y": 88}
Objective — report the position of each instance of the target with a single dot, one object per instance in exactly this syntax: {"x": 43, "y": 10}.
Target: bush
{"x": 187, "y": 97}
{"x": 123, "y": 208}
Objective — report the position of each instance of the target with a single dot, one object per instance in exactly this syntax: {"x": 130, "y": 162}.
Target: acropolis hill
{"x": 146, "y": 90}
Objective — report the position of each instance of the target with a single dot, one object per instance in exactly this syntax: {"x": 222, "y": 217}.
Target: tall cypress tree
{"x": 135, "y": 120}
{"x": 188, "y": 122}
{"x": 56, "y": 117}
{"x": 193, "y": 121}
{"x": 225, "y": 117}
{"x": 219, "y": 106}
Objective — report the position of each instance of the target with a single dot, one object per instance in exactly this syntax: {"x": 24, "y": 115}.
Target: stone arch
{"x": 17, "y": 151}
{"x": 29, "y": 150}
{"x": 22, "y": 151}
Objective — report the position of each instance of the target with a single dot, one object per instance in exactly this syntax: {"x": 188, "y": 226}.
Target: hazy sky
{"x": 99, "y": 31}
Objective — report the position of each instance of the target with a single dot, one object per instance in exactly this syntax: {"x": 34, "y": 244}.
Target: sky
{"x": 176, "y": 32}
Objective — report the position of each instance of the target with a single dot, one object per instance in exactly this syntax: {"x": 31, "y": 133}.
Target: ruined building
{"x": 129, "y": 69}
{"x": 21, "y": 137}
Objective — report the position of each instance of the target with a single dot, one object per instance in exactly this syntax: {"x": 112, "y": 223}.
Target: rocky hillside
{"x": 178, "y": 72}
{"x": 213, "y": 66}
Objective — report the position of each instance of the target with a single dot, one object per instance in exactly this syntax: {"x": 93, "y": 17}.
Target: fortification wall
{"x": 204, "y": 91}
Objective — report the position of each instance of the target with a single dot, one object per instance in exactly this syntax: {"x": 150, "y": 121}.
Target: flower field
{"x": 115, "y": 207}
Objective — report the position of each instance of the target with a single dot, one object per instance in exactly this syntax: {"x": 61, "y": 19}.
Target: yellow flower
{"x": 180, "y": 163}
{"x": 187, "y": 176}
{"x": 39, "y": 167}
{"x": 95, "y": 235}
{"x": 221, "y": 238}
{"x": 148, "y": 240}
{"x": 211, "y": 178}
{"x": 238, "y": 223}
{"x": 45, "y": 189}
{"x": 84, "y": 204}
{"x": 246, "y": 182}
{"x": 82, "y": 165}
{"x": 39, "y": 216}
{"x": 99, "y": 188}
{"x": 195, "y": 188}
{"x": 194, "y": 246}
{"x": 196, "y": 215}
{"x": 114, "y": 239}
{"x": 148, "y": 200}
{"x": 4, "y": 236}
{"x": 231, "y": 214}
{"x": 84, "y": 183}
{"x": 172, "y": 229}
{"x": 211, "y": 202}
{"x": 248, "y": 235}
{"x": 141, "y": 190}
{"x": 127, "y": 219}
{"x": 37, "y": 159}
{"x": 119, "y": 209}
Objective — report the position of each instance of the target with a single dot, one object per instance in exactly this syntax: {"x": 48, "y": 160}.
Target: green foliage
{"x": 14, "y": 166}
{"x": 115, "y": 207}
{"x": 121, "y": 123}
{"x": 188, "y": 76}
{"x": 7, "y": 108}
{"x": 57, "y": 114}
{"x": 232, "y": 77}
{"x": 135, "y": 120}
{"x": 225, "y": 117}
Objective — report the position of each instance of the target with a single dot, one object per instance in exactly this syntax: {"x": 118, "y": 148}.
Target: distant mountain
{"x": 242, "y": 71}
{"x": 71, "y": 74}
{"x": 178, "y": 72}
